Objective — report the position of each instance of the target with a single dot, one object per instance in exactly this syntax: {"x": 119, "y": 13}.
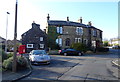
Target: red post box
{"x": 22, "y": 49}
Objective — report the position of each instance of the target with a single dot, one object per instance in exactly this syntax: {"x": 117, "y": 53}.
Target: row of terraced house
{"x": 63, "y": 33}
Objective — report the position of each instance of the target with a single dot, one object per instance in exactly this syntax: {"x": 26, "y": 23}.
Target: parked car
{"x": 39, "y": 56}
{"x": 115, "y": 47}
{"x": 69, "y": 51}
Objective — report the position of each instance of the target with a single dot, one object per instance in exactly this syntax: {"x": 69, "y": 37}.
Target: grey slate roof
{"x": 64, "y": 23}
{"x": 69, "y": 23}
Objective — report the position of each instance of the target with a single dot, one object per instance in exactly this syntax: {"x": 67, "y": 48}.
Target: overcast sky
{"x": 102, "y": 13}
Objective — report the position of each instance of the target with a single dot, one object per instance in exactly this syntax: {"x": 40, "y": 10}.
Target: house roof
{"x": 64, "y": 23}
{"x": 2, "y": 39}
{"x": 69, "y": 23}
{"x": 36, "y": 28}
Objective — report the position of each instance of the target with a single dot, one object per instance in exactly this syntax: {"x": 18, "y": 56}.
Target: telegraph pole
{"x": 15, "y": 36}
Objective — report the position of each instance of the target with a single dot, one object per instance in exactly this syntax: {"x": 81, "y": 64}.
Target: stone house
{"x": 34, "y": 38}
{"x": 68, "y": 32}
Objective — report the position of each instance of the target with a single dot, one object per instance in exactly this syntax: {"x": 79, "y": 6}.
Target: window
{"x": 59, "y": 30}
{"x": 76, "y": 40}
{"x": 94, "y": 33}
{"x": 41, "y": 38}
{"x": 100, "y": 34}
{"x": 29, "y": 45}
{"x": 79, "y": 31}
{"x": 79, "y": 40}
{"x": 67, "y": 42}
{"x": 94, "y": 43}
{"x": 85, "y": 41}
{"x": 41, "y": 45}
{"x": 59, "y": 41}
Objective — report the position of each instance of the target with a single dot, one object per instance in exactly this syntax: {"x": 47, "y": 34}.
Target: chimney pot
{"x": 48, "y": 17}
{"x": 45, "y": 30}
{"x": 67, "y": 18}
{"x": 80, "y": 19}
{"x": 89, "y": 23}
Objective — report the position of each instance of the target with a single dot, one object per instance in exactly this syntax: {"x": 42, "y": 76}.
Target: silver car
{"x": 39, "y": 56}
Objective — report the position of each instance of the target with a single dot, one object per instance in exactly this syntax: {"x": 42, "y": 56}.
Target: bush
{"x": 3, "y": 55}
{"x": 79, "y": 46}
{"x": 9, "y": 55}
{"x": 7, "y": 64}
{"x": 21, "y": 63}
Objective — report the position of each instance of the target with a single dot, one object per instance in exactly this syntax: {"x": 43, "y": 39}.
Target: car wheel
{"x": 80, "y": 54}
{"x": 65, "y": 54}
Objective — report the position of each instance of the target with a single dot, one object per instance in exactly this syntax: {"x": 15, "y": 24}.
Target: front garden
{"x": 7, "y": 61}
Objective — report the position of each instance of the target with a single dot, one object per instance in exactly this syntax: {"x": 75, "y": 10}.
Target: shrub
{"x": 79, "y": 46}
{"x": 3, "y": 55}
{"x": 21, "y": 63}
{"x": 9, "y": 55}
{"x": 7, "y": 64}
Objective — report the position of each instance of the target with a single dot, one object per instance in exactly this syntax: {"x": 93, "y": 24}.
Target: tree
{"x": 106, "y": 43}
{"x": 79, "y": 46}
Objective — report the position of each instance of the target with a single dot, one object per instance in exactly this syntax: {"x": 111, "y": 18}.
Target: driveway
{"x": 87, "y": 67}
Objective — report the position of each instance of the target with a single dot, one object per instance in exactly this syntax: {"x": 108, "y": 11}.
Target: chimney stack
{"x": 80, "y": 19}
{"x": 45, "y": 30}
{"x": 48, "y": 17}
{"x": 67, "y": 18}
{"x": 89, "y": 23}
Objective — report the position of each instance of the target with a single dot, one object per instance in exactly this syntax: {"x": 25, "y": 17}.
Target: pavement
{"x": 114, "y": 68}
{"x": 8, "y": 76}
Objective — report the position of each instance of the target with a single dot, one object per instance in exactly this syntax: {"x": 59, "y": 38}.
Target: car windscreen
{"x": 70, "y": 49}
{"x": 39, "y": 52}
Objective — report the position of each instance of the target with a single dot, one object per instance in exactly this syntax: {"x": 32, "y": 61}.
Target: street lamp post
{"x": 6, "y": 32}
{"x": 15, "y": 36}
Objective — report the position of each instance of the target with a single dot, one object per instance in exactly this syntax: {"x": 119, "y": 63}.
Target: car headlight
{"x": 32, "y": 58}
{"x": 47, "y": 57}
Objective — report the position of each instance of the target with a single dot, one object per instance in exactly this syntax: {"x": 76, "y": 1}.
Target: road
{"x": 87, "y": 67}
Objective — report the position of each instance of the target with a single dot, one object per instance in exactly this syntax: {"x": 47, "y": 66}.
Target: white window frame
{"x": 41, "y": 38}
{"x": 76, "y": 40}
{"x": 79, "y": 30}
{"x": 41, "y": 45}
{"x": 59, "y": 30}
{"x": 94, "y": 43}
{"x": 79, "y": 40}
{"x": 59, "y": 41}
{"x": 28, "y": 45}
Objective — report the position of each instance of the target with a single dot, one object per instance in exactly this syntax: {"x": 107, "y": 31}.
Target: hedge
{"x": 21, "y": 63}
